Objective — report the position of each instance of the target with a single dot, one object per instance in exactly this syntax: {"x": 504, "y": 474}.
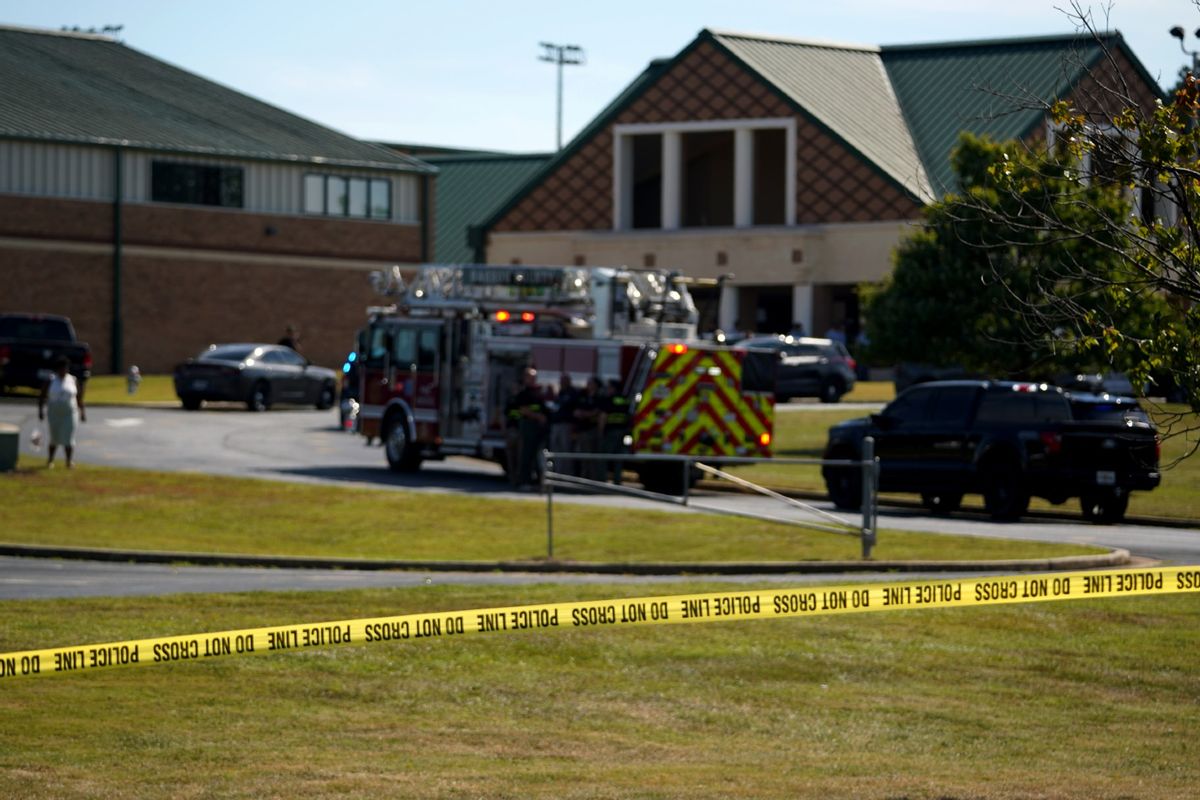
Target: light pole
{"x": 561, "y": 54}
{"x": 1177, "y": 32}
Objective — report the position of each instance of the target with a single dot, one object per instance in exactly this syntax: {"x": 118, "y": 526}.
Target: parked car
{"x": 808, "y": 367}
{"x": 257, "y": 374}
{"x": 1113, "y": 383}
{"x": 1007, "y": 441}
{"x": 31, "y": 343}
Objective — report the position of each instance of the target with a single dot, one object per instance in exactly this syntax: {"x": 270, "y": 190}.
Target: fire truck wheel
{"x": 666, "y": 478}
{"x": 402, "y": 455}
{"x": 326, "y": 397}
{"x": 260, "y": 397}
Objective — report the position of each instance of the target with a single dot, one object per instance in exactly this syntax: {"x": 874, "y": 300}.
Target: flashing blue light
{"x": 352, "y": 357}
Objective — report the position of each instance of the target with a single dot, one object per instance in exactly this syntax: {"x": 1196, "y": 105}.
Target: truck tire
{"x": 941, "y": 502}
{"x": 844, "y": 484}
{"x": 1104, "y": 506}
{"x": 666, "y": 478}
{"x": 832, "y": 391}
{"x": 402, "y": 454}
{"x": 1004, "y": 493}
{"x": 191, "y": 402}
{"x": 326, "y": 397}
{"x": 260, "y": 397}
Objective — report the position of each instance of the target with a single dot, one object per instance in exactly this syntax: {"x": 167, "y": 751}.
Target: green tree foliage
{"x": 987, "y": 284}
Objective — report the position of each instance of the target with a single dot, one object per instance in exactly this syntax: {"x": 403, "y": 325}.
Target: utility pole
{"x": 1177, "y": 32}
{"x": 561, "y": 54}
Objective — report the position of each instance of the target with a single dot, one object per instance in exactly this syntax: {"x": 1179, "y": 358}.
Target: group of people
{"x": 594, "y": 418}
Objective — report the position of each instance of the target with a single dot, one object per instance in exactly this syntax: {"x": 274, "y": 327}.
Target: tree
{"x": 1121, "y": 290}
{"x": 967, "y": 284}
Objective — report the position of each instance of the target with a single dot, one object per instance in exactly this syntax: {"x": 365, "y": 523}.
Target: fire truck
{"x": 437, "y": 366}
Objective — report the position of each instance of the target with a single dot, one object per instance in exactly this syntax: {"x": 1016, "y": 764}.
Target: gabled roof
{"x": 88, "y": 89}
{"x": 989, "y": 87}
{"x": 470, "y": 187}
{"x": 843, "y": 87}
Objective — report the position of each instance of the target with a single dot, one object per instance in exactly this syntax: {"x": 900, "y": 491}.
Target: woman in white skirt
{"x": 66, "y": 410}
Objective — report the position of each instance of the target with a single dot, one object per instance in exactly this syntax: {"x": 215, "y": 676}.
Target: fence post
{"x": 869, "y": 481}
{"x": 548, "y": 488}
{"x": 687, "y": 479}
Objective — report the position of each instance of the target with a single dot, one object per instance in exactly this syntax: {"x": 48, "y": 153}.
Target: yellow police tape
{"x": 712, "y": 607}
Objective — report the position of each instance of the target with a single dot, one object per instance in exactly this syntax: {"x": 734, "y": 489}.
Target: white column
{"x": 743, "y": 177}
{"x": 672, "y": 180}
{"x": 622, "y": 183}
{"x": 728, "y": 313}
{"x": 802, "y": 307}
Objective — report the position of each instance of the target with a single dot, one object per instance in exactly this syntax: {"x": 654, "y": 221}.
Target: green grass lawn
{"x": 120, "y": 508}
{"x": 1076, "y": 699}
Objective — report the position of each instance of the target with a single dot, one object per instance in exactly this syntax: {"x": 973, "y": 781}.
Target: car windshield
{"x": 53, "y": 330}
{"x": 228, "y": 352}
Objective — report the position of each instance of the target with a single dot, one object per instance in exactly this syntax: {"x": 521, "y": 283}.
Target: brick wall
{"x": 188, "y": 226}
{"x": 205, "y": 280}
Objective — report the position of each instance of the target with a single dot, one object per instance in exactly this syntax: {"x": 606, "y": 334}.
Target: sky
{"x": 467, "y": 73}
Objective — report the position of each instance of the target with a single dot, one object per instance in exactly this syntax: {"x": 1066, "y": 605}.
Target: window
{"x": 708, "y": 179}
{"x": 910, "y": 407}
{"x": 952, "y": 406}
{"x": 704, "y": 173}
{"x": 647, "y": 181}
{"x": 338, "y": 196}
{"x": 196, "y": 184}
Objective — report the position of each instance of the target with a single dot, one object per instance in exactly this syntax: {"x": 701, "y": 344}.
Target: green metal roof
{"x": 88, "y": 89}
{"x": 845, "y": 88}
{"x": 990, "y": 88}
{"x": 470, "y": 188}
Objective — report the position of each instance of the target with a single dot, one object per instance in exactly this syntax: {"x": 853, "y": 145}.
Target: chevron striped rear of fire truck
{"x": 706, "y": 401}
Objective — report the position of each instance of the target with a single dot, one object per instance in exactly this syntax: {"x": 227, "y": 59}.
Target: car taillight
{"x": 1052, "y": 442}
{"x": 5, "y": 354}
{"x": 851, "y": 363}
{"x": 87, "y": 360}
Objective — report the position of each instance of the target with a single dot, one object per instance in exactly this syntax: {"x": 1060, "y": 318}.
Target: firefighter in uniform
{"x": 562, "y": 425}
{"x": 589, "y": 425}
{"x": 530, "y": 407}
{"x": 616, "y": 427}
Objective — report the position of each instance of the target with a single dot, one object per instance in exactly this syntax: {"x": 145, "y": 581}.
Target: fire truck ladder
{"x": 824, "y": 521}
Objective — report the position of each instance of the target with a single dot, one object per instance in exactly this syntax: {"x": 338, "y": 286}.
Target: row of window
{"x": 224, "y": 187}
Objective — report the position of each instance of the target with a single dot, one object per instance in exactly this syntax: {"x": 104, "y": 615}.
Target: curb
{"x": 1114, "y": 558}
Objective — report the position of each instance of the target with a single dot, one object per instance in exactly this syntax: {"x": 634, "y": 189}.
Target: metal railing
{"x": 824, "y": 521}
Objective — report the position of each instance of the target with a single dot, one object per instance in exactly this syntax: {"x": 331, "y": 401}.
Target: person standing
{"x": 291, "y": 338}
{"x": 63, "y": 397}
{"x": 562, "y": 425}
{"x": 589, "y": 427}
{"x": 530, "y": 404}
{"x": 616, "y": 427}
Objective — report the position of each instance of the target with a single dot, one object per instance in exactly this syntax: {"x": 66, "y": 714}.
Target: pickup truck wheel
{"x": 1004, "y": 494}
{"x": 844, "y": 484}
{"x": 941, "y": 502}
{"x": 191, "y": 402}
{"x": 402, "y": 454}
{"x": 1104, "y": 507}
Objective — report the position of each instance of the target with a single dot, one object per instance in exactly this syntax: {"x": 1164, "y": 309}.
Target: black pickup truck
{"x": 31, "y": 343}
{"x": 1007, "y": 441}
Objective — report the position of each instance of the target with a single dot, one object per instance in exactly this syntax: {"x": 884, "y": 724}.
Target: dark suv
{"x": 1007, "y": 441}
{"x": 808, "y": 367}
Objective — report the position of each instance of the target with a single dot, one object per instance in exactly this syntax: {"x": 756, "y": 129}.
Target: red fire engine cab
{"x": 437, "y": 367}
